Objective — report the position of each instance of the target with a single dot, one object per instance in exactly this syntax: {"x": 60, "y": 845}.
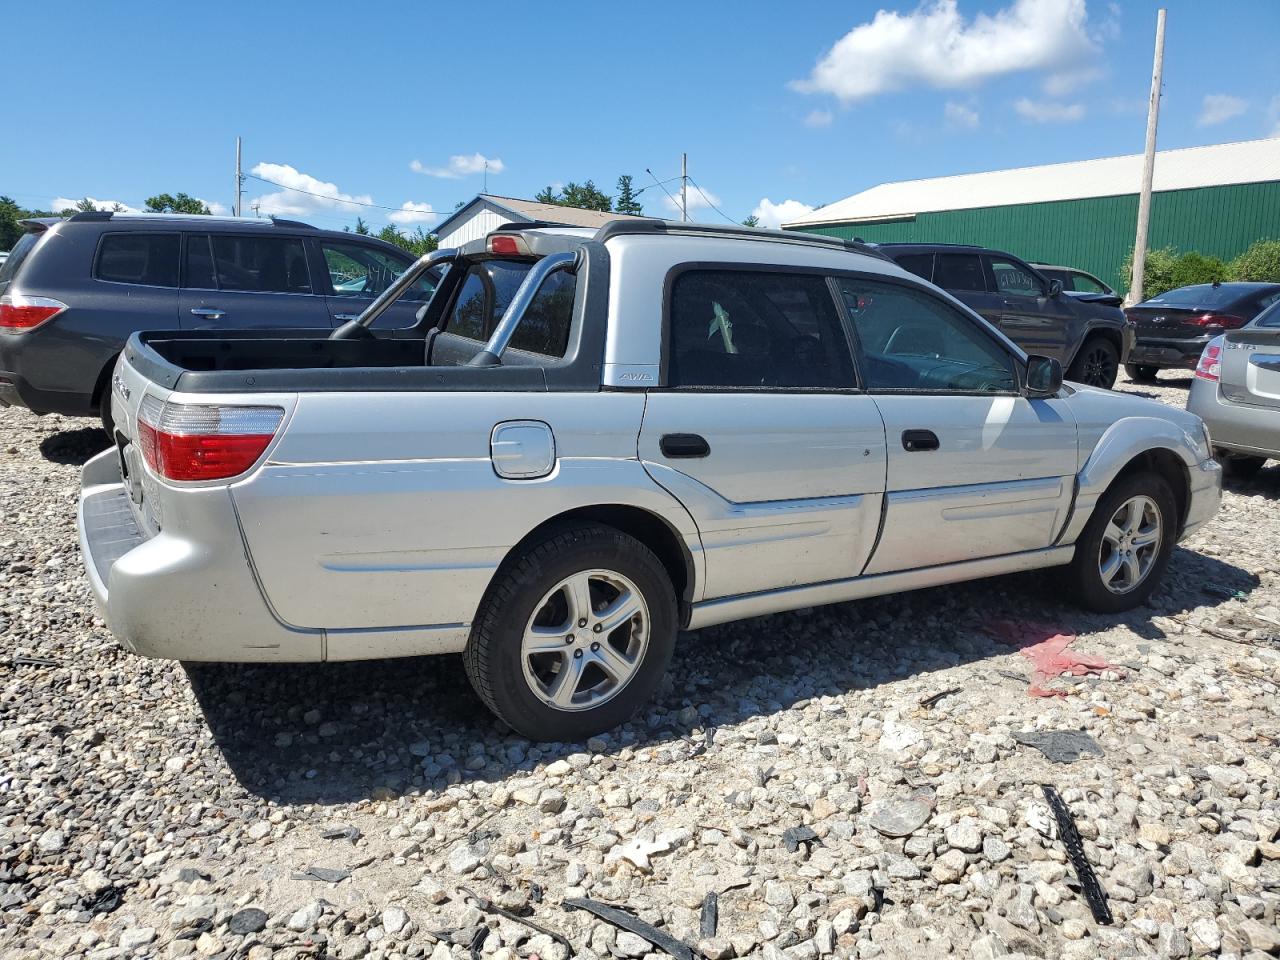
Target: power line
{"x": 664, "y": 189}
{"x": 709, "y": 203}
{"x": 343, "y": 200}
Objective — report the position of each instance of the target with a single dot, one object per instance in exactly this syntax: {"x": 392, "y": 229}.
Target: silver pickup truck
{"x": 600, "y": 439}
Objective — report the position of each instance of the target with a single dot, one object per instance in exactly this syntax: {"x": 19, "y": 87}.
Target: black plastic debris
{"x": 488, "y": 906}
{"x": 794, "y": 837}
{"x": 1060, "y": 746}
{"x": 246, "y": 921}
{"x": 21, "y": 661}
{"x": 199, "y": 926}
{"x": 710, "y": 919}
{"x": 105, "y": 901}
{"x": 477, "y": 941}
{"x": 932, "y": 699}
{"x": 344, "y": 832}
{"x": 191, "y": 875}
{"x": 1010, "y": 675}
{"x": 624, "y": 920}
{"x": 1094, "y": 895}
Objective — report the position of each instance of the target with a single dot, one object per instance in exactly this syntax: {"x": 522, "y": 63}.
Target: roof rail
{"x": 90, "y": 215}
{"x": 281, "y": 222}
{"x": 930, "y": 243}
{"x": 623, "y": 228}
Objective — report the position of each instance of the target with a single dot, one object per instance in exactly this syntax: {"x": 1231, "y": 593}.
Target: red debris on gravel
{"x": 1046, "y": 648}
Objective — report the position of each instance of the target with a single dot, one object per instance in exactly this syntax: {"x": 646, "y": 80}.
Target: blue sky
{"x": 804, "y": 102}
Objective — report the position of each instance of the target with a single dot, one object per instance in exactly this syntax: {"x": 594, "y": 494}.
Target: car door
{"x": 760, "y": 430}
{"x": 248, "y": 280}
{"x": 356, "y": 272}
{"x": 1029, "y": 317}
{"x": 974, "y": 469}
{"x": 963, "y": 275}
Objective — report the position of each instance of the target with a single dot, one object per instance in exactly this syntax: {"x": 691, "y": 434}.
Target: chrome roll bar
{"x": 491, "y": 355}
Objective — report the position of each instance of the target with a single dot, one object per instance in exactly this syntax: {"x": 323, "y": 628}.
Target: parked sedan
{"x": 1236, "y": 391}
{"x": 1173, "y": 328}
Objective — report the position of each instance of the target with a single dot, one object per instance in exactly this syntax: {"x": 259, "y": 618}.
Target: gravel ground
{"x": 339, "y": 810}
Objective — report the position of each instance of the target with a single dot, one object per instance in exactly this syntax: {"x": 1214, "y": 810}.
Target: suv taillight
{"x": 196, "y": 441}
{"x": 1210, "y": 365}
{"x": 19, "y": 312}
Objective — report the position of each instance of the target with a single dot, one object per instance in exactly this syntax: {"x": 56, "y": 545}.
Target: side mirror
{"x": 1044, "y": 377}
{"x": 1055, "y": 287}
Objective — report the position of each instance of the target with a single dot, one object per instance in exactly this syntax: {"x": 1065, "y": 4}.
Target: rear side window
{"x": 739, "y": 329}
{"x": 921, "y": 264}
{"x": 150, "y": 259}
{"x": 260, "y": 264}
{"x": 544, "y": 328}
{"x": 484, "y": 297}
{"x": 960, "y": 271}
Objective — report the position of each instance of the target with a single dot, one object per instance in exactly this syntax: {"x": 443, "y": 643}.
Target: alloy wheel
{"x": 1130, "y": 544}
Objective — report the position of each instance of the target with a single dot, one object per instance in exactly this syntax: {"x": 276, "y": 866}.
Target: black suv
{"x": 73, "y": 290}
{"x": 1091, "y": 339}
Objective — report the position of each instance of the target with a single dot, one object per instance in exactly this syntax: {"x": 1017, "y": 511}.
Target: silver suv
{"x": 602, "y": 438}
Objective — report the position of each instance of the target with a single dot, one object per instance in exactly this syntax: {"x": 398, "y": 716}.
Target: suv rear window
{"x": 20, "y": 252}
{"x": 261, "y": 264}
{"x": 960, "y": 271}
{"x": 921, "y": 264}
{"x": 150, "y": 259}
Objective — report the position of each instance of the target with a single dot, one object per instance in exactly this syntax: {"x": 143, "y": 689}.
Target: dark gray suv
{"x": 1090, "y": 338}
{"x": 73, "y": 290}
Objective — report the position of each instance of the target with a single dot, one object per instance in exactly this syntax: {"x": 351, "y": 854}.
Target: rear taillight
{"x": 1224, "y": 320}
{"x": 19, "y": 312}
{"x": 1210, "y": 365}
{"x": 196, "y": 441}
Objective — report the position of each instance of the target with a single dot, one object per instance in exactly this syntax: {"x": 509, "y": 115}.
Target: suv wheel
{"x": 1126, "y": 544}
{"x": 1095, "y": 364}
{"x": 573, "y": 635}
{"x": 1141, "y": 372}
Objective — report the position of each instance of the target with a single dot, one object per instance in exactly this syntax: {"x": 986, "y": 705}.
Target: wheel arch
{"x": 651, "y": 529}
{"x": 1099, "y": 331}
{"x": 1166, "y": 464}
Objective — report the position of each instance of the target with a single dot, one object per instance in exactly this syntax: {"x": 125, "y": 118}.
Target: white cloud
{"x": 63, "y": 203}
{"x": 460, "y": 165}
{"x": 960, "y": 116}
{"x": 411, "y": 212}
{"x": 1065, "y": 81}
{"x": 217, "y": 209}
{"x": 1220, "y": 107}
{"x": 774, "y": 215}
{"x": 702, "y": 199}
{"x": 818, "y": 118}
{"x": 935, "y": 46}
{"x": 1048, "y": 111}
{"x": 319, "y": 194}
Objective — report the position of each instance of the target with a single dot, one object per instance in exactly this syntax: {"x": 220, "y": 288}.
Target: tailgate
{"x": 1251, "y": 367}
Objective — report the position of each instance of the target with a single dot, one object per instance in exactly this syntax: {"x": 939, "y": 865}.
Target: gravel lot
{"x": 152, "y": 810}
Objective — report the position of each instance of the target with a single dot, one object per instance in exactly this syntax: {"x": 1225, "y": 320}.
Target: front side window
{"x": 738, "y": 329}
{"x": 1014, "y": 278}
{"x": 356, "y": 270}
{"x": 149, "y": 259}
{"x": 261, "y": 264}
{"x": 960, "y": 271}
{"x": 910, "y": 340}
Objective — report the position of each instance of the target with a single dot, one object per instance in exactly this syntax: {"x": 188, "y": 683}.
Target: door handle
{"x": 346, "y": 317}
{"x": 917, "y": 441}
{"x": 208, "y": 313}
{"x": 676, "y": 445}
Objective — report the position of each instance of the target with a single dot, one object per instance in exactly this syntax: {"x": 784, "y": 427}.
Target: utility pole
{"x": 239, "y": 178}
{"x": 684, "y": 187}
{"x": 1148, "y": 169}
{"x": 486, "y": 176}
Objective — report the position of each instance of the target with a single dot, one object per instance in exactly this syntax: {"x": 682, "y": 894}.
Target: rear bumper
{"x": 1161, "y": 352}
{"x": 185, "y": 594}
{"x": 1235, "y": 427}
{"x": 1205, "y": 496}
{"x": 17, "y": 391}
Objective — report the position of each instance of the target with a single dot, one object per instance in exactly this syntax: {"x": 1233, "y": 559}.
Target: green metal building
{"x": 1217, "y": 200}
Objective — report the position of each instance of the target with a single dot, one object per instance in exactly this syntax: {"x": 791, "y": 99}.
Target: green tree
{"x": 584, "y": 196}
{"x": 176, "y": 203}
{"x": 362, "y": 228}
{"x": 416, "y": 243}
{"x": 1195, "y": 267}
{"x": 11, "y": 230}
{"x": 1261, "y": 262}
{"x": 85, "y": 205}
{"x": 751, "y": 221}
{"x": 627, "y": 202}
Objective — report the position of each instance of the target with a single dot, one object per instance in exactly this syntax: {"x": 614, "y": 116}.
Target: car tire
{"x": 1096, "y": 364}
{"x": 1141, "y": 372}
{"x": 554, "y": 671}
{"x": 1104, "y": 577}
{"x": 1240, "y": 466}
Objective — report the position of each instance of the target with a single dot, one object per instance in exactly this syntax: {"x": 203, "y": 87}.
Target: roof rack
{"x": 930, "y": 243}
{"x": 622, "y": 228}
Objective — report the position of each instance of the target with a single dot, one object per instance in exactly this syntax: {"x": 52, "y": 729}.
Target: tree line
{"x": 1167, "y": 269}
